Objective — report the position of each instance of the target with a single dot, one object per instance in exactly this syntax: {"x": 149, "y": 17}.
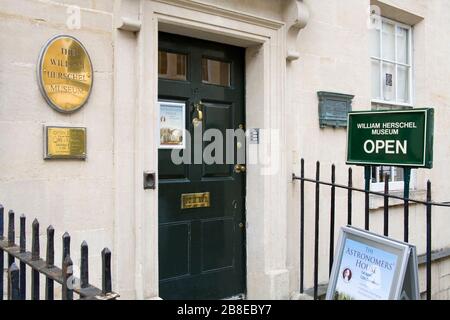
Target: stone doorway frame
{"x": 266, "y": 211}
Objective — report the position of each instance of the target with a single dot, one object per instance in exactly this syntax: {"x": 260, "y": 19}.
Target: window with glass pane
{"x": 172, "y": 66}
{"x": 216, "y": 72}
{"x": 394, "y": 175}
{"x": 391, "y": 67}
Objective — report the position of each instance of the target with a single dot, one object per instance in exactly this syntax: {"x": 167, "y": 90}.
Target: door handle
{"x": 239, "y": 168}
{"x": 199, "y": 118}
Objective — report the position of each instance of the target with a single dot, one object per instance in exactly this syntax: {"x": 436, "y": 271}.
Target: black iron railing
{"x": 351, "y": 189}
{"x": 16, "y": 279}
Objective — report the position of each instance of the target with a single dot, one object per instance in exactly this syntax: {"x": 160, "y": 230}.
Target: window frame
{"x": 382, "y": 60}
{"x": 393, "y": 185}
{"x": 230, "y": 70}
{"x": 176, "y": 52}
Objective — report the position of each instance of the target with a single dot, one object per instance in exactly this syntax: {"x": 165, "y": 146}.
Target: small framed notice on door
{"x": 172, "y": 120}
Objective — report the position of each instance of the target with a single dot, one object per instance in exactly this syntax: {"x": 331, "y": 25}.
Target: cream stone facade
{"x": 293, "y": 50}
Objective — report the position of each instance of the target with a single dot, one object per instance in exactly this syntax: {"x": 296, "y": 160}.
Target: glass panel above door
{"x": 216, "y": 72}
{"x": 172, "y": 66}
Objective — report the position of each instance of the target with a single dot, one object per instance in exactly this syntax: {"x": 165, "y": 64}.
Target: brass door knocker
{"x": 198, "y": 114}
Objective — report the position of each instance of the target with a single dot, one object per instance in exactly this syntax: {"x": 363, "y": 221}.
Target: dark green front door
{"x": 202, "y": 250}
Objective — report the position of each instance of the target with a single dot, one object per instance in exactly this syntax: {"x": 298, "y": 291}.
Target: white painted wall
{"x": 73, "y": 196}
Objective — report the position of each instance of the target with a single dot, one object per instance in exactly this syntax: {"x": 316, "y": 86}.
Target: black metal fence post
{"x": 386, "y": 205}
{"x": 106, "y": 271}
{"x": 367, "y": 170}
{"x": 349, "y": 194}
{"x": 84, "y": 267}
{"x": 332, "y": 215}
{"x": 11, "y": 235}
{"x": 13, "y": 280}
{"x": 316, "y": 236}
{"x": 23, "y": 266}
{"x": 35, "y": 254}
{"x": 50, "y": 258}
{"x": 428, "y": 240}
{"x": 67, "y": 274}
{"x": 302, "y": 225}
{"x": 11, "y": 239}
{"x": 407, "y": 179}
{"x": 65, "y": 246}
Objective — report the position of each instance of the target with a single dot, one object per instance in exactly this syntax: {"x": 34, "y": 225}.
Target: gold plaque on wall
{"x": 65, "y": 74}
{"x": 65, "y": 143}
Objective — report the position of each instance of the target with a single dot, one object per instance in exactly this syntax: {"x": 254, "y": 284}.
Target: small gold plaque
{"x": 65, "y": 143}
{"x": 65, "y": 74}
{"x": 195, "y": 200}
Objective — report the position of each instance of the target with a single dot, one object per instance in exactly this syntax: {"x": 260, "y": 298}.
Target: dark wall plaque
{"x": 333, "y": 109}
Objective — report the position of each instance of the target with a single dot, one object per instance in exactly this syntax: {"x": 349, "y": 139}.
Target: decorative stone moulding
{"x": 128, "y": 24}
{"x": 296, "y": 16}
{"x": 334, "y": 108}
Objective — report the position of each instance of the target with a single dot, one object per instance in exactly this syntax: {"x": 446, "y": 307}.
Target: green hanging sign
{"x": 402, "y": 138}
